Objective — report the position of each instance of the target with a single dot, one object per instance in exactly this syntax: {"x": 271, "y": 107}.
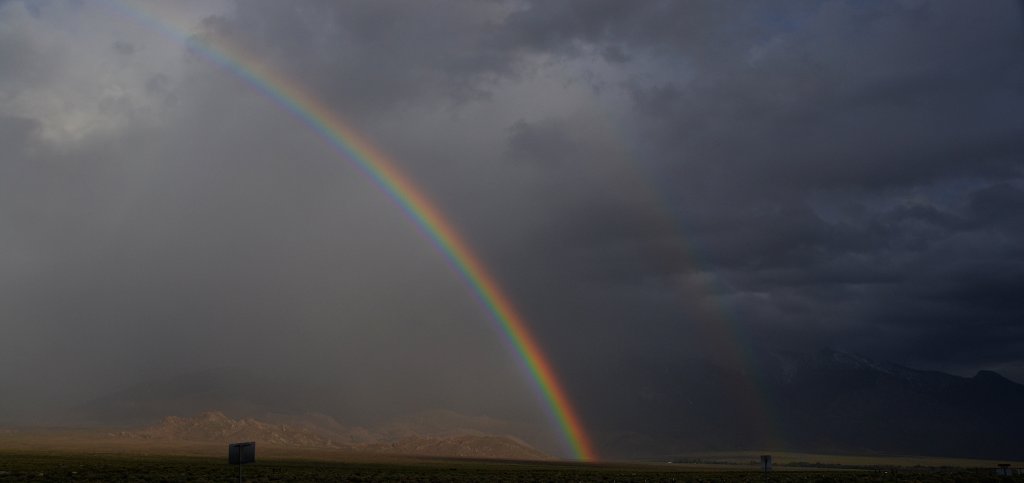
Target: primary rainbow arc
{"x": 306, "y": 107}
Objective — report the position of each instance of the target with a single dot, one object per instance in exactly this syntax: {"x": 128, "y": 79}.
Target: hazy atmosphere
{"x": 657, "y": 186}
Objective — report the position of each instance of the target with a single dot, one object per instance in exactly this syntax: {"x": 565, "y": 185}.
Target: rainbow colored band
{"x": 290, "y": 96}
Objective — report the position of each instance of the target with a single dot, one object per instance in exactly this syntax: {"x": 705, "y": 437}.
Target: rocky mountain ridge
{"x": 824, "y": 402}
{"x": 325, "y": 433}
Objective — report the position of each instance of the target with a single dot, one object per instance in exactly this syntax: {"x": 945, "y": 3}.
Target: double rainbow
{"x": 290, "y": 96}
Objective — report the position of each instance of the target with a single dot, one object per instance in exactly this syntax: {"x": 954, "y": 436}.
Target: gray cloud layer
{"x": 641, "y": 176}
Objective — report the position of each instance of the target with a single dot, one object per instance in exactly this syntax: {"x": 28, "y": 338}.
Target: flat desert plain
{"x": 70, "y": 456}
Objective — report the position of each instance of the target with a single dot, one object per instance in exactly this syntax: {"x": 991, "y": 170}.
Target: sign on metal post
{"x": 240, "y": 454}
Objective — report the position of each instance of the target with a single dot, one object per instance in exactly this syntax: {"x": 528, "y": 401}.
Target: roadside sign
{"x": 242, "y": 453}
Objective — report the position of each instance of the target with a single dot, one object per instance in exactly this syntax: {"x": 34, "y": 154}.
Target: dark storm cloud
{"x": 637, "y": 175}
{"x": 21, "y": 62}
{"x": 542, "y": 142}
{"x": 123, "y": 48}
{"x": 840, "y": 92}
{"x": 904, "y": 116}
{"x": 614, "y": 30}
{"x": 370, "y": 57}
{"x": 17, "y": 132}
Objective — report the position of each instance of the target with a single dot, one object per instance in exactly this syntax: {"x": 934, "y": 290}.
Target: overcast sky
{"x": 648, "y": 180}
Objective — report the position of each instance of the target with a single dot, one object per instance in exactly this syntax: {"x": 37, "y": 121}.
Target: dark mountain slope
{"x": 827, "y": 401}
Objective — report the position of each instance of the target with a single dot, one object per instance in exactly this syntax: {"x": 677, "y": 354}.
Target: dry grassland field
{"x": 200, "y": 464}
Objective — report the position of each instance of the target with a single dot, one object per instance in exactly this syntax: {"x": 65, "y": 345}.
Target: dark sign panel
{"x": 242, "y": 453}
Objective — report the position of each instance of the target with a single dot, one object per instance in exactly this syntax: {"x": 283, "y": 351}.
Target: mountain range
{"x": 322, "y": 432}
{"x": 822, "y": 402}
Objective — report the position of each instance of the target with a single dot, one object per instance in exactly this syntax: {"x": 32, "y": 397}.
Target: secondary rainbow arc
{"x": 304, "y": 106}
